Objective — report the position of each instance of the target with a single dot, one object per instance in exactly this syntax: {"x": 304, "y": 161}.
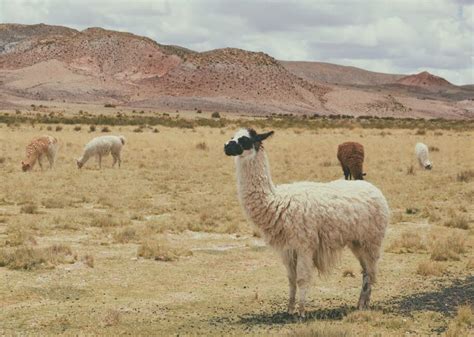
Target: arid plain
{"x": 161, "y": 245}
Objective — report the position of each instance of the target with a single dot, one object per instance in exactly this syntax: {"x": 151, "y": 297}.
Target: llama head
{"x": 428, "y": 165}
{"x": 79, "y": 163}
{"x": 245, "y": 143}
{"x": 25, "y": 166}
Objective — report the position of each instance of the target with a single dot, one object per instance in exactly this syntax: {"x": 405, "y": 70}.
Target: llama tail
{"x": 122, "y": 139}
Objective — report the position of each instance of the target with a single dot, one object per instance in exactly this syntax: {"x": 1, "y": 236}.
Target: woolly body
{"x": 351, "y": 157}
{"x": 309, "y": 223}
{"x": 422, "y": 154}
{"x": 102, "y": 146}
{"x": 37, "y": 149}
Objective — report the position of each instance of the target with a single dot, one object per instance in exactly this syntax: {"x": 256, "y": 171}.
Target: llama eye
{"x": 246, "y": 143}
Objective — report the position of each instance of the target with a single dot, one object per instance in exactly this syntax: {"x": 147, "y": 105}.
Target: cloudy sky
{"x": 394, "y": 36}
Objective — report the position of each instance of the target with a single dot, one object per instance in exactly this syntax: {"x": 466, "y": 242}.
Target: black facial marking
{"x": 233, "y": 149}
{"x": 245, "y": 142}
{"x": 236, "y": 148}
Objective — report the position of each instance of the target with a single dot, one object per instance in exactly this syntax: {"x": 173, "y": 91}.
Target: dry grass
{"x": 29, "y": 258}
{"x": 430, "y": 268}
{"x": 160, "y": 251}
{"x": 88, "y": 260}
{"x": 322, "y": 330}
{"x": 465, "y": 176}
{"x": 111, "y": 318}
{"x": 29, "y": 208}
{"x": 448, "y": 248}
{"x": 125, "y": 235}
{"x": 109, "y": 220}
{"x": 463, "y": 323}
{"x": 457, "y": 220}
{"x": 169, "y": 199}
{"x": 409, "y": 242}
{"x": 202, "y": 146}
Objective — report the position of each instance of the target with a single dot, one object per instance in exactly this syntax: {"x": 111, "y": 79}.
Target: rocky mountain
{"x": 96, "y": 65}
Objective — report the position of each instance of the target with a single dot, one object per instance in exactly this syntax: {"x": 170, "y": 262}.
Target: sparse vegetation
{"x": 465, "y": 176}
{"x": 463, "y": 323}
{"x": 28, "y": 258}
{"x": 409, "y": 242}
{"x": 202, "y": 146}
{"x": 456, "y": 220}
{"x": 160, "y": 251}
{"x": 448, "y": 248}
{"x": 125, "y": 235}
{"x": 29, "y": 208}
{"x": 420, "y": 132}
{"x": 430, "y": 268}
{"x": 166, "y": 205}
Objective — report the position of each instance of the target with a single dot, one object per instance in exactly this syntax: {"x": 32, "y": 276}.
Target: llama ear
{"x": 263, "y": 136}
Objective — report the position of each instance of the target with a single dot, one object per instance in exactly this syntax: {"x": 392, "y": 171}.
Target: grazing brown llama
{"x": 351, "y": 157}
{"x": 37, "y": 149}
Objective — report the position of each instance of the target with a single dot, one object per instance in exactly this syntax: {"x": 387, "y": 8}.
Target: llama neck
{"x": 255, "y": 187}
{"x": 31, "y": 158}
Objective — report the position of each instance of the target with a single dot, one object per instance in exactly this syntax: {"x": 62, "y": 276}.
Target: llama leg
{"x": 289, "y": 260}
{"x": 50, "y": 156}
{"x": 40, "y": 161}
{"x": 346, "y": 172}
{"x": 100, "y": 161}
{"x": 304, "y": 270}
{"x": 364, "y": 298}
{"x": 368, "y": 262}
{"x": 119, "y": 159}
{"x": 114, "y": 156}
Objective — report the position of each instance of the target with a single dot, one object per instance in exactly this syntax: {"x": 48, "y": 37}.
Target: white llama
{"x": 308, "y": 222}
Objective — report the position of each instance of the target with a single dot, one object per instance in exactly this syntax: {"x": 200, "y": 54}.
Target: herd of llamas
{"x": 308, "y": 223}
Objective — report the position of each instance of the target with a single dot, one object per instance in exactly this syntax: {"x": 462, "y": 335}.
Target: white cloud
{"x": 403, "y": 36}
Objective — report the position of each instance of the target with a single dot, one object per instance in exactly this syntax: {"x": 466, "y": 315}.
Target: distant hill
{"x": 336, "y": 74}
{"x": 54, "y": 63}
{"x": 425, "y": 80}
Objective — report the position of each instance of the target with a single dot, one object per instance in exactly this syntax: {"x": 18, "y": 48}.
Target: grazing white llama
{"x": 308, "y": 222}
{"x": 37, "y": 149}
{"x": 422, "y": 154}
{"x": 102, "y": 146}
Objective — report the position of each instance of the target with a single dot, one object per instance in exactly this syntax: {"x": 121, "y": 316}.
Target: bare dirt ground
{"x": 161, "y": 246}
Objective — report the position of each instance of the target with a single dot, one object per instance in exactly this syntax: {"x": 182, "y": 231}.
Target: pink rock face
{"x": 424, "y": 79}
{"x": 102, "y": 66}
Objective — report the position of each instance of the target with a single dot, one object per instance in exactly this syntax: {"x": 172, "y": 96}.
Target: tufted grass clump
{"x": 29, "y": 208}
{"x": 448, "y": 248}
{"x": 409, "y": 242}
{"x": 160, "y": 251}
{"x": 30, "y": 258}
{"x": 460, "y": 221}
{"x": 430, "y": 268}
{"x": 465, "y": 176}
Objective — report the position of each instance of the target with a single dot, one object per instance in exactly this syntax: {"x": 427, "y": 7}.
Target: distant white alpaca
{"x": 307, "y": 222}
{"x": 102, "y": 146}
{"x": 422, "y": 154}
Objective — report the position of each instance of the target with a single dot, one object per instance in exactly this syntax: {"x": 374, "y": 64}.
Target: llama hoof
{"x": 363, "y": 305}
{"x": 302, "y": 312}
{"x": 291, "y": 310}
